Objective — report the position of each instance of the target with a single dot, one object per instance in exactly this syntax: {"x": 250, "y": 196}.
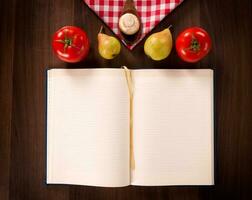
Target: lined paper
{"x": 88, "y": 127}
{"x": 173, "y": 127}
{"x": 88, "y": 121}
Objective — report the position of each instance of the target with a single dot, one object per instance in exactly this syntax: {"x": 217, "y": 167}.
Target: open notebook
{"x": 88, "y": 127}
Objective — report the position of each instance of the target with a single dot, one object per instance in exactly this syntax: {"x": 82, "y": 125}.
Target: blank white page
{"x": 88, "y": 127}
{"x": 173, "y": 127}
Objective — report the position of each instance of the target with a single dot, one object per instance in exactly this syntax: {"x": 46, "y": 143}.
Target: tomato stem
{"x": 68, "y": 41}
{"x": 60, "y": 41}
{"x": 194, "y": 45}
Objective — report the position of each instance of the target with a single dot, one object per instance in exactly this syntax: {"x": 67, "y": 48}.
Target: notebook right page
{"x": 173, "y": 127}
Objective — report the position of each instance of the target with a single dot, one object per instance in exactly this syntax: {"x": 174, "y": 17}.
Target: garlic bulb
{"x": 129, "y": 24}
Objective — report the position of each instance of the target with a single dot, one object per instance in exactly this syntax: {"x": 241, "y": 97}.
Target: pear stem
{"x": 101, "y": 29}
{"x": 170, "y": 26}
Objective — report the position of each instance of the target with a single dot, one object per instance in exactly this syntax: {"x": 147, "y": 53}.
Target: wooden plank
{"x": 6, "y": 66}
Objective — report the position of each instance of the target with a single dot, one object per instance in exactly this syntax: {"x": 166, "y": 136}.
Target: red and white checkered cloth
{"x": 150, "y": 11}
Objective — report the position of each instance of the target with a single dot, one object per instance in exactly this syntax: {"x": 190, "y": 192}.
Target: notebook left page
{"x": 87, "y": 127}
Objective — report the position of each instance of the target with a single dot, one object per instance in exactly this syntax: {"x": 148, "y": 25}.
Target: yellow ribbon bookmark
{"x": 131, "y": 95}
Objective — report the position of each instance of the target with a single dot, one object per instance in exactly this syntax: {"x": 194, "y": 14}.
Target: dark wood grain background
{"x": 25, "y": 51}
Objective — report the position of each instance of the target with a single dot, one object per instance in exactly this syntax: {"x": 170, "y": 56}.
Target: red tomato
{"x": 70, "y": 44}
{"x": 193, "y": 44}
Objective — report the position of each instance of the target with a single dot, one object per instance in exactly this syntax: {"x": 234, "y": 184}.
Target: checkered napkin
{"x": 150, "y": 11}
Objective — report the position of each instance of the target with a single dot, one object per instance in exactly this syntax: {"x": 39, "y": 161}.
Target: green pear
{"x": 158, "y": 46}
{"x": 109, "y": 47}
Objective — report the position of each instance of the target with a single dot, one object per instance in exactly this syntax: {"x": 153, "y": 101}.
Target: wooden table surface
{"x": 25, "y": 37}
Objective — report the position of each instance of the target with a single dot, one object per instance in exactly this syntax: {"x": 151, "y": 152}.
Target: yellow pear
{"x": 158, "y": 46}
{"x": 108, "y": 46}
